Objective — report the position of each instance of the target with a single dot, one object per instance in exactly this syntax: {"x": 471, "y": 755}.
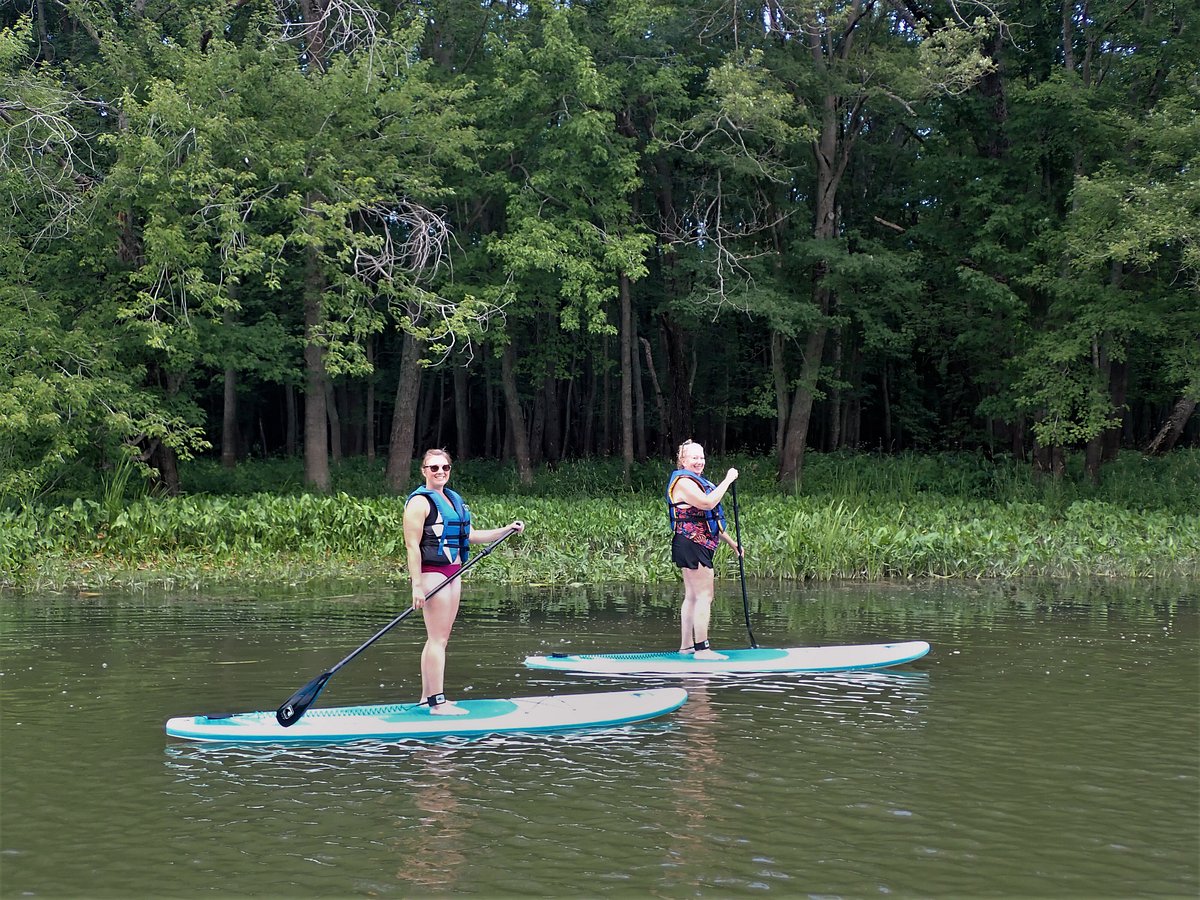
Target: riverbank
{"x": 186, "y": 542}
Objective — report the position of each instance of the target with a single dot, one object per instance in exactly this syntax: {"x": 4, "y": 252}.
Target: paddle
{"x": 737, "y": 533}
{"x": 296, "y": 705}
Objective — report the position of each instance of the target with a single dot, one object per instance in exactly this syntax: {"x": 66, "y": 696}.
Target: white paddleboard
{"x": 757, "y": 660}
{"x": 348, "y": 723}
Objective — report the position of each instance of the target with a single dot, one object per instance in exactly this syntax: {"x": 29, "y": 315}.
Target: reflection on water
{"x": 686, "y": 831}
{"x": 434, "y": 851}
{"x": 1048, "y": 746}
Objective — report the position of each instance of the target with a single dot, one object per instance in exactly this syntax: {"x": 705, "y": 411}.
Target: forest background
{"x": 547, "y": 232}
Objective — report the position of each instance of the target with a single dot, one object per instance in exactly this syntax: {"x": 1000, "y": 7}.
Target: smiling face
{"x": 691, "y": 457}
{"x": 436, "y": 468}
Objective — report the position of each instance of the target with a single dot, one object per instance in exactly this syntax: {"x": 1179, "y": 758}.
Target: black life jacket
{"x": 453, "y": 544}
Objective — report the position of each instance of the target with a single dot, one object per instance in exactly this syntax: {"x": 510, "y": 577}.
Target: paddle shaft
{"x": 296, "y": 705}
{"x": 408, "y": 612}
{"x": 737, "y": 533}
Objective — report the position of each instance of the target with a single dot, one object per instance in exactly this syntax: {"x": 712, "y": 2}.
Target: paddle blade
{"x": 296, "y": 705}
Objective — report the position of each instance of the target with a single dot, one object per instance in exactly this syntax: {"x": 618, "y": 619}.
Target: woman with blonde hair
{"x": 697, "y": 526}
{"x": 437, "y": 536}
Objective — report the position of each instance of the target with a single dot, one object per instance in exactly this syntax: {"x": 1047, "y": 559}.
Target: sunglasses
{"x": 437, "y": 468}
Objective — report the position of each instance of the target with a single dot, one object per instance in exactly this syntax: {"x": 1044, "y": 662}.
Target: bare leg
{"x": 699, "y": 586}
{"x": 696, "y": 612}
{"x": 439, "y": 614}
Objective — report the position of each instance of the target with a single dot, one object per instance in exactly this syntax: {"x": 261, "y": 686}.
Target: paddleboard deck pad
{"x": 749, "y": 661}
{"x": 390, "y": 722}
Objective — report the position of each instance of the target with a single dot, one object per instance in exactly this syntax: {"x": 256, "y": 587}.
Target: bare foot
{"x": 710, "y": 654}
{"x": 448, "y": 708}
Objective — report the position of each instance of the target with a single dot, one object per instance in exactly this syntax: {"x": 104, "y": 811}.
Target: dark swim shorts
{"x": 687, "y": 554}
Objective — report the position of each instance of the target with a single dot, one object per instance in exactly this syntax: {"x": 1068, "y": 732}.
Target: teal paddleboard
{"x": 395, "y": 721}
{"x": 747, "y": 661}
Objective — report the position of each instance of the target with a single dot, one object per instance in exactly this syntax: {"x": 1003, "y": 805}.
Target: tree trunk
{"x": 679, "y": 397}
{"x": 1119, "y": 388}
{"x": 335, "y": 421}
{"x": 1173, "y": 427}
{"x": 850, "y": 421}
{"x": 1068, "y": 35}
{"x": 779, "y": 376}
{"x": 404, "y": 417}
{"x": 229, "y": 416}
{"x": 1050, "y": 459}
{"x": 553, "y": 429}
{"x": 45, "y": 44}
{"x": 369, "y": 413}
{"x": 626, "y": 378}
{"x": 354, "y": 427}
{"x": 537, "y": 428}
{"x": 1104, "y": 446}
{"x": 165, "y": 461}
{"x": 1018, "y": 437}
{"x": 885, "y": 392}
{"x": 462, "y": 421}
{"x": 830, "y": 152}
{"x": 316, "y": 440}
{"x": 516, "y": 418}
{"x": 160, "y": 456}
{"x": 791, "y": 461}
{"x": 439, "y": 398}
{"x": 567, "y": 419}
{"x": 291, "y": 414}
{"x": 841, "y": 123}
{"x": 833, "y": 437}
{"x": 490, "y": 438}
{"x": 659, "y": 404}
{"x": 639, "y": 400}
{"x": 311, "y": 15}
{"x": 605, "y": 401}
{"x": 588, "y": 440}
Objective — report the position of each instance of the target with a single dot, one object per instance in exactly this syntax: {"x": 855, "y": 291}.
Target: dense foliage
{"x": 563, "y": 230}
{"x": 948, "y": 516}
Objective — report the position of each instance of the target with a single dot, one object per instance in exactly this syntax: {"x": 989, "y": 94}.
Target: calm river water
{"x": 1049, "y": 746}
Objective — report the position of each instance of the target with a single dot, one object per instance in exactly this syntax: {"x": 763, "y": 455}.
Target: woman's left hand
{"x": 517, "y": 526}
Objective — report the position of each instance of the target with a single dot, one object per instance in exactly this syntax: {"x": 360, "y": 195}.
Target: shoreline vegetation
{"x": 858, "y": 516}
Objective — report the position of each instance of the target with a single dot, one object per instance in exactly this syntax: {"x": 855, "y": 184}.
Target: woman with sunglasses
{"x": 437, "y": 536}
{"x": 697, "y": 527}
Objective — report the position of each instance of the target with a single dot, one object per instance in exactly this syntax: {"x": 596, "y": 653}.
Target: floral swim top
{"x": 692, "y": 524}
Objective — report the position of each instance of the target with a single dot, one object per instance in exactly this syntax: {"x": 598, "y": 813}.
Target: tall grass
{"x": 858, "y": 516}
{"x": 286, "y": 538}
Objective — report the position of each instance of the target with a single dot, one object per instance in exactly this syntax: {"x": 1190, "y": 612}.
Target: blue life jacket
{"x": 715, "y": 517}
{"x": 453, "y": 545}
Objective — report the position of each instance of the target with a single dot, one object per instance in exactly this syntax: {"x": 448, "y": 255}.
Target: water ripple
{"x": 1047, "y": 747}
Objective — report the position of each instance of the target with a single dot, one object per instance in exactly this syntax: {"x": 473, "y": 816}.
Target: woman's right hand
{"x": 418, "y": 596}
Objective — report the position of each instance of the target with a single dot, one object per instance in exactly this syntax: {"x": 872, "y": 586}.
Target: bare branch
{"x": 732, "y": 147}
{"x": 408, "y": 236}
{"x": 891, "y": 225}
{"x": 711, "y": 228}
{"x": 339, "y": 26}
{"x": 45, "y": 146}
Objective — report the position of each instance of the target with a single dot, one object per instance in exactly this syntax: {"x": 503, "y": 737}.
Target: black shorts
{"x": 687, "y": 554}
